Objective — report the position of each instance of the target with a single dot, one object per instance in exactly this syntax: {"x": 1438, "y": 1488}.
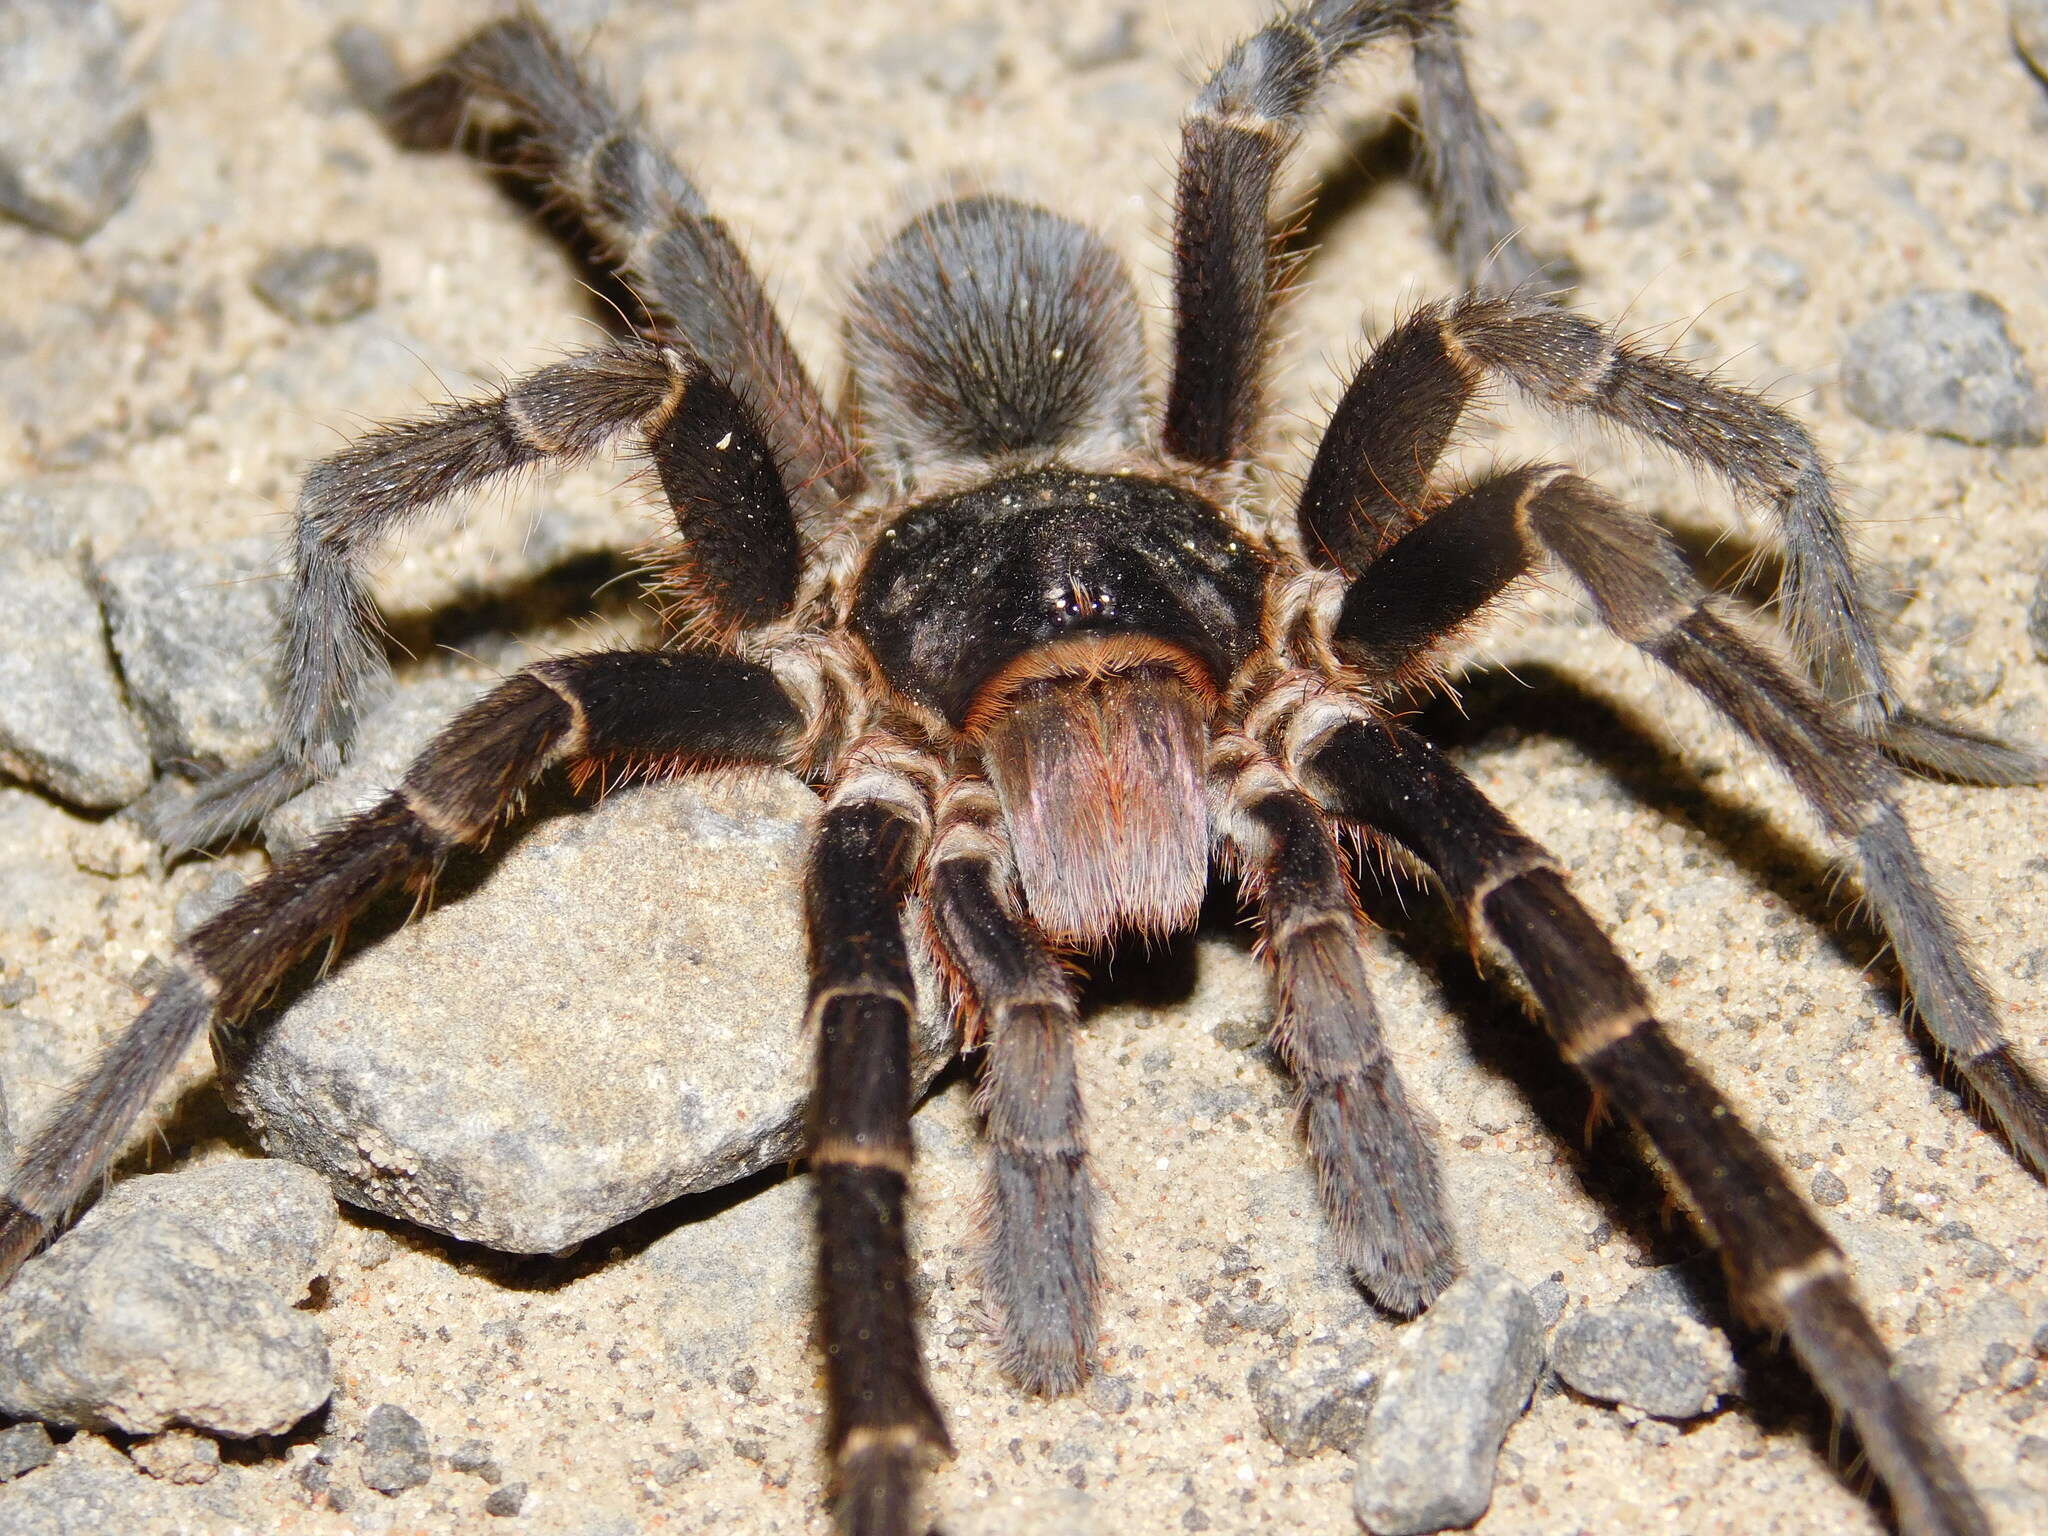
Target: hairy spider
{"x": 1046, "y": 659}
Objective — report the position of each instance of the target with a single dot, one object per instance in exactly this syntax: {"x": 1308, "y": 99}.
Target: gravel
{"x": 23, "y": 1448}
{"x": 612, "y": 1019}
{"x": 318, "y": 284}
{"x": 505, "y": 1501}
{"x": 1454, "y": 1382}
{"x": 1941, "y": 361}
{"x": 73, "y": 140}
{"x": 172, "y": 1302}
{"x": 396, "y": 1452}
{"x": 196, "y": 635}
{"x": 1669, "y": 1366}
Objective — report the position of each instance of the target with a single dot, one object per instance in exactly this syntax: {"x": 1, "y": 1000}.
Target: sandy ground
{"x": 1795, "y": 146}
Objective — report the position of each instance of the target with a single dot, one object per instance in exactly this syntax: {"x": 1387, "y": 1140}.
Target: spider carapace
{"x": 1024, "y": 620}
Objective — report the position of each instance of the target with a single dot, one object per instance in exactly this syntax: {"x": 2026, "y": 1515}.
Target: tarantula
{"x": 1045, "y": 660}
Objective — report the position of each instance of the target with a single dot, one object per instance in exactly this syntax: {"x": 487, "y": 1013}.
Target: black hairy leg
{"x": 1236, "y": 139}
{"x": 633, "y": 707}
{"x": 735, "y": 561}
{"x": 1785, "y": 1272}
{"x": 1375, "y": 1168}
{"x": 1642, "y": 590}
{"x": 884, "y": 1424}
{"x": 1039, "y": 1212}
{"x": 1374, "y": 464}
{"x": 601, "y": 167}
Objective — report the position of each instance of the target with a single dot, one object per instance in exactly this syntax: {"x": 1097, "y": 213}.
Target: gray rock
{"x": 173, "y": 1303}
{"x": 1306, "y": 1411}
{"x": 1454, "y": 1382}
{"x": 318, "y": 284}
{"x": 23, "y": 1448}
{"x": 2030, "y": 32}
{"x": 196, "y": 634}
{"x": 396, "y": 1453}
{"x": 178, "y": 1456}
{"x": 1827, "y": 1187}
{"x": 63, "y": 722}
{"x": 73, "y": 139}
{"x": 1667, "y": 1365}
{"x": 612, "y": 1019}
{"x": 1941, "y": 362}
{"x": 505, "y": 1501}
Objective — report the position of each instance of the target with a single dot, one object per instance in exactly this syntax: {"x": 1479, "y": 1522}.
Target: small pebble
{"x": 1307, "y": 1411}
{"x": 1550, "y": 1298}
{"x": 1455, "y": 1380}
{"x": 1662, "y": 1363}
{"x": 1942, "y": 362}
{"x": 318, "y": 284}
{"x": 24, "y": 1448}
{"x": 396, "y": 1453}
{"x": 178, "y": 1456}
{"x": 1110, "y": 1394}
{"x": 73, "y": 140}
{"x": 508, "y": 1500}
{"x": 1827, "y": 1188}
{"x": 474, "y": 1457}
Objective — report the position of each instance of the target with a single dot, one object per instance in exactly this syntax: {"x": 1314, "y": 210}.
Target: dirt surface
{"x": 1742, "y": 181}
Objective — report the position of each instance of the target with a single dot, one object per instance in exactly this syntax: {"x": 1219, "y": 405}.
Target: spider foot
{"x": 1935, "y": 749}
{"x": 225, "y": 805}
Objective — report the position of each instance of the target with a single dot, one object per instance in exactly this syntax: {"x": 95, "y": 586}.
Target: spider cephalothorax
{"x": 1045, "y": 665}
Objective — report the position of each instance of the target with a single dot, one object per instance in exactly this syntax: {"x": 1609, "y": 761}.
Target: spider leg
{"x": 649, "y": 221}
{"x": 1784, "y": 1269}
{"x": 1234, "y": 141}
{"x": 739, "y": 554}
{"x": 1642, "y": 591}
{"x": 884, "y": 1422}
{"x": 640, "y": 705}
{"x": 1375, "y": 1167}
{"x": 1569, "y": 363}
{"x": 1040, "y": 1258}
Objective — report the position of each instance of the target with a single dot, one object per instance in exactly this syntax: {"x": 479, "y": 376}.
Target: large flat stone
{"x": 611, "y": 1019}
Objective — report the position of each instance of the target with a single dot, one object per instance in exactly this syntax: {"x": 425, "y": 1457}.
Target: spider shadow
{"x": 1373, "y": 156}
{"x": 1504, "y": 1040}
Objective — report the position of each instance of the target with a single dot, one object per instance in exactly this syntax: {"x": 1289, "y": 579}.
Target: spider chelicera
{"x": 1045, "y": 661}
